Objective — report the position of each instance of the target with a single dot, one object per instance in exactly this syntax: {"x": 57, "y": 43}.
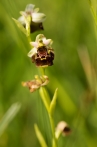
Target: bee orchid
{"x": 42, "y": 53}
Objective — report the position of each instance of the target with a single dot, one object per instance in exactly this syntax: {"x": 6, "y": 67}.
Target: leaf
{"x": 20, "y": 26}
{"x": 53, "y": 102}
{"x": 40, "y": 137}
{"x": 8, "y": 117}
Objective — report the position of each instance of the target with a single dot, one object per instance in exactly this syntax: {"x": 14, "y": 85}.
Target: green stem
{"x": 28, "y": 22}
{"x": 46, "y": 100}
{"x": 29, "y": 39}
{"x": 42, "y": 70}
{"x": 54, "y": 143}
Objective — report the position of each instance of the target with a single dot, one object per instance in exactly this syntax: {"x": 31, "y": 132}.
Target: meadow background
{"x": 70, "y": 24}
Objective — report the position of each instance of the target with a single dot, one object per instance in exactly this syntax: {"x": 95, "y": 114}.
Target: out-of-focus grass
{"x": 71, "y": 26}
{"x": 9, "y": 115}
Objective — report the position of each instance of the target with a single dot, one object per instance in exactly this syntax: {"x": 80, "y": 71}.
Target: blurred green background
{"x": 71, "y": 26}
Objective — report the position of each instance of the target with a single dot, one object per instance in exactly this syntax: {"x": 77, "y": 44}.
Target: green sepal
{"x": 20, "y": 26}
{"x": 40, "y": 136}
{"x": 53, "y": 102}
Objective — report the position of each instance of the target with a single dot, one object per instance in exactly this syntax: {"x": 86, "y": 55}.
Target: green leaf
{"x": 20, "y": 26}
{"x": 53, "y": 102}
{"x": 40, "y": 137}
{"x": 93, "y": 11}
{"x": 65, "y": 101}
{"x": 8, "y": 117}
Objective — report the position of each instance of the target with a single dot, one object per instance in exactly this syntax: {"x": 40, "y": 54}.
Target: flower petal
{"x": 36, "y": 10}
{"x": 32, "y": 52}
{"x": 35, "y": 44}
{"x": 29, "y": 7}
{"x": 47, "y": 41}
{"x": 23, "y": 13}
{"x": 38, "y": 17}
{"x": 21, "y": 19}
{"x": 39, "y": 37}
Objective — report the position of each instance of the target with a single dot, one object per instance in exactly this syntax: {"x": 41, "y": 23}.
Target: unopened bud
{"x": 62, "y": 128}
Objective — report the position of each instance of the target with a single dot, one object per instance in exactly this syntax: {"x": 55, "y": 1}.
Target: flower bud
{"x": 62, "y": 128}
